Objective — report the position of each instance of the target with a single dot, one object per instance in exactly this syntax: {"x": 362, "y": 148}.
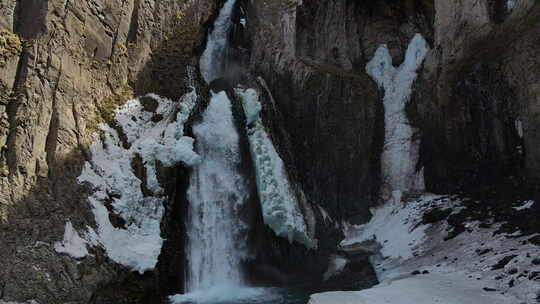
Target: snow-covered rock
{"x": 477, "y": 264}
{"x": 137, "y": 243}
{"x": 280, "y": 207}
{"x": 72, "y": 244}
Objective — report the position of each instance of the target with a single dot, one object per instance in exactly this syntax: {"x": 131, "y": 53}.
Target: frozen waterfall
{"x": 401, "y": 148}
{"x": 280, "y": 207}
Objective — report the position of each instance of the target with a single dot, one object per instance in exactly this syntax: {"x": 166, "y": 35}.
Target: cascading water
{"x": 217, "y": 189}
{"x": 216, "y": 194}
{"x": 213, "y": 63}
{"x": 217, "y": 236}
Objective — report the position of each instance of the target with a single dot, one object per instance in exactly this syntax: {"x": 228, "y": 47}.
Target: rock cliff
{"x": 64, "y": 67}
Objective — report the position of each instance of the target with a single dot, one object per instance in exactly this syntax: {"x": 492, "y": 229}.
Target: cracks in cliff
{"x": 78, "y": 132}
{"x": 12, "y": 110}
{"x": 54, "y": 125}
{"x": 134, "y": 23}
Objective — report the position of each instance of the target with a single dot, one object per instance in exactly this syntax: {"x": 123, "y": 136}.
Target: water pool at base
{"x": 243, "y": 295}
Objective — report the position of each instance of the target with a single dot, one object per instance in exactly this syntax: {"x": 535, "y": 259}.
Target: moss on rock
{"x": 10, "y": 45}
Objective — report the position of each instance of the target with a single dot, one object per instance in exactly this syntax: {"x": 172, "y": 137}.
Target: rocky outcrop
{"x": 476, "y": 98}
{"x": 474, "y": 102}
{"x": 64, "y": 67}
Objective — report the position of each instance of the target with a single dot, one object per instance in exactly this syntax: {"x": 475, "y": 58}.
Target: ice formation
{"x": 281, "y": 211}
{"x": 401, "y": 149}
{"x": 72, "y": 244}
{"x": 117, "y": 189}
{"x": 525, "y": 205}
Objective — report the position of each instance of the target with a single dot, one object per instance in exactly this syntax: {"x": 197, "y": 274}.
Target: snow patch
{"x": 526, "y": 205}
{"x": 427, "y": 289}
{"x": 395, "y": 226}
{"x": 336, "y": 266}
{"x": 469, "y": 256}
{"x": 151, "y": 137}
{"x": 73, "y": 244}
{"x": 401, "y": 148}
{"x": 280, "y": 207}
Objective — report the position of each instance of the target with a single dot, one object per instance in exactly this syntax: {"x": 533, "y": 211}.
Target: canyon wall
{"x": 64, "y": 67}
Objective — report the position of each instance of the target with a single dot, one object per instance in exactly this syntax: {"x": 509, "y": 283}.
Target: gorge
{"x": 287, "y": 151}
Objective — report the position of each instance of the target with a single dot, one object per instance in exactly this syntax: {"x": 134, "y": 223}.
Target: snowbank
{"x": 426, "y": 289}
{"x": 395, "y": 226}
{"x": 489, "y": 263}
{"x": 281, "y": 211}
{"x": 157, "y": 136}
{"x": 401, "y": 149}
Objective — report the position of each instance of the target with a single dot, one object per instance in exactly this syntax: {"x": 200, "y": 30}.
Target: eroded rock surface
{"x": 64, "y": 67}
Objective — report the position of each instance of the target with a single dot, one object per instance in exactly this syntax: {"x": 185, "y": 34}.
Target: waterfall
{"x": 217, "y": 191}
{"x": 212, "y": 63}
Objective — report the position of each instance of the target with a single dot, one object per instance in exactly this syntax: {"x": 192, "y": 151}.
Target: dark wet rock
{"x": 436, "y": 215}
{"x": 503, "y": 262}
{"x": 483, "y": 251}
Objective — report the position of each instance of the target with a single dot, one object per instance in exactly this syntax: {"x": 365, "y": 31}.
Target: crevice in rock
{"x": 30, "y": 18}
{"x": 134, "y": 23}
{"x": 12, "y": 109}
{"x": 52, "y": 136}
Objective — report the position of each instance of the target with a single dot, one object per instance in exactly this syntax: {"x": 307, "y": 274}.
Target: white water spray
{"x": 216, "y": 194}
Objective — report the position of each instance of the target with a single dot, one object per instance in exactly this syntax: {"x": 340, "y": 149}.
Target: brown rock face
{"x": 64, "y": 67}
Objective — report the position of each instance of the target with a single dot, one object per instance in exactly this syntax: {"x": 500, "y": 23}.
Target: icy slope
{"x": 281, "y": 211}
{"x": 428, "y": 289}
{"x": 478, "y": 264}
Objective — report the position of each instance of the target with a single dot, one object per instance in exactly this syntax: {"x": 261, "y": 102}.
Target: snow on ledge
{"x": 281, "y": 211}
{"x": 73, "y": 244}
{"x": 526, "y": 205}
{"x": 152, "y": 136}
